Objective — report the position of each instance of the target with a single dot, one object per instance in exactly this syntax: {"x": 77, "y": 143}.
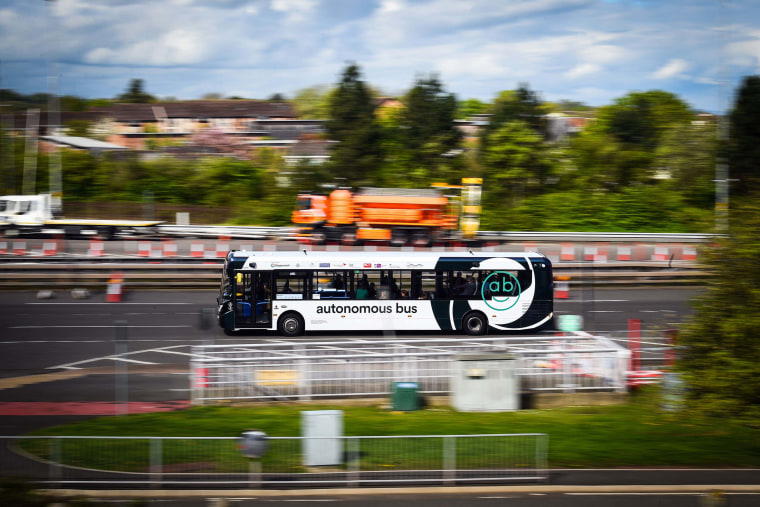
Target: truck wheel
{"x": 290, "y": 325}
{"x": 474, "y": 324}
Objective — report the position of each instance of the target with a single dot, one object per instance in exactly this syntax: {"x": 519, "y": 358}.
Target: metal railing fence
{"x": 365, "y": 460}
{"x": 365, "y": 368}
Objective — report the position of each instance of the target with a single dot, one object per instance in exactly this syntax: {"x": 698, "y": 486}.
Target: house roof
{"x": 83, "y": 143}
{"x": 198, "y": 109}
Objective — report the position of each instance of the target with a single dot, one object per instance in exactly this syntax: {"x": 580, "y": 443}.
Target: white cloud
{"x": 674, "y": 68}
{"x": 583, "y": 69}
{"x": 178, "y": 47}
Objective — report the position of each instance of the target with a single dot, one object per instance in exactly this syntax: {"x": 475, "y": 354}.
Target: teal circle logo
{"x": 504, "y": 291}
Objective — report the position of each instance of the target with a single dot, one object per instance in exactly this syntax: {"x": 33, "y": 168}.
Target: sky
{"x": 592, "y": 51}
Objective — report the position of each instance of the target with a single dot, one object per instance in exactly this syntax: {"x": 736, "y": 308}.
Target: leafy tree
{"x": 135, "y": 93}
{"x": 470, "y": 107}
{"x": 744, "y": 147}
{"x": 521, "y": 105}
{"x": 427, "y": 123}
{"x": 357, "y": 156}
{"x": 313, "y": 103}
{"x": 619, "y": 148}
{"x": 640, "y": 118}
{"x": 276, "y": 97}
{"x": 517, "y": 163}
{"x": 720, "y": 347}
{"x": 686, "y": 154}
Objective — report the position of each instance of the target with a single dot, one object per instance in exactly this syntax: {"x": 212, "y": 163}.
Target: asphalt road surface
{"x": 69, "y": 357}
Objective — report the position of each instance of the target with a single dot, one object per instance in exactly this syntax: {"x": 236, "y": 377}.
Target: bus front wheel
{"x": 474, "y": 324}
{"x": 290, "y": 324}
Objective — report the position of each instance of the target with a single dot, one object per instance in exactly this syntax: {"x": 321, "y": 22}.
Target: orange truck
{"x": 397, "y": 215}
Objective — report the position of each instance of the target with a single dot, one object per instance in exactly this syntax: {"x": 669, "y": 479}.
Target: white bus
{"x": 472, "y": 292}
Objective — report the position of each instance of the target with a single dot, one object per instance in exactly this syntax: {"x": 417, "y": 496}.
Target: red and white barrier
{"x": 97, "y": 248}
{"x": 19, "y": 247}
{"x": 624, "y": 253}
{"x": 196, "y": 249}
{"x": 49, "y": 247}
{"x": 222, "y": 247}
{"x": 169, "y": 248}
{"x": 567, "y": 252}
{"x": 3, "y": 246}
{"x": 661, "y": 253}
{"x": 689, "y": 253}
{"x": 144, "y": 248}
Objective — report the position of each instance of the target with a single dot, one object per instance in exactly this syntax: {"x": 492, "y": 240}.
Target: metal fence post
{"x": 304, "y": 379}
{"x": 353, "y": 461}
{"x": 542, "y": 446}
{"x": 156, "y": 461}
{"x": 449, "y": 459}
{"x": 56, "y": 461}
{"x": 254, "y": 473}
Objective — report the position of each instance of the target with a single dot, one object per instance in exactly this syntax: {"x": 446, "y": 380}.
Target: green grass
{"x": 634, "y": 434}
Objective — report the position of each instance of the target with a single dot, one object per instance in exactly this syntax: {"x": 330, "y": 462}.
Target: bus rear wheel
{"x": 474, "y": 324}
{"x": 290, "y": 324}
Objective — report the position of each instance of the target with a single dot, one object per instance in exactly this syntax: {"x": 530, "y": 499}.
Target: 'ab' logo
{"x": 503, "y": 288}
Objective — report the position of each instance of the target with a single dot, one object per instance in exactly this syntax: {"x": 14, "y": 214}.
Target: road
{"x": 66, "y": 356}
{"x": 486, "y": 498}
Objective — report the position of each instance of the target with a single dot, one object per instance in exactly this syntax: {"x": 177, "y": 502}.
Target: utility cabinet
{"x": 322, "y": 432}
{"x": 483, "y": 382}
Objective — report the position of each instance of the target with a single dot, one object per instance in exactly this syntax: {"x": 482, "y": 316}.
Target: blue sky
{"x": 592, "y": 51}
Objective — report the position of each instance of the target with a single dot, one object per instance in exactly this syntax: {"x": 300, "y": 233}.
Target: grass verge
{"x": 635, "y": 434}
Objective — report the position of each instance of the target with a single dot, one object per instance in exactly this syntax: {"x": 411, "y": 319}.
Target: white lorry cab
{"x": 31, "y": 214}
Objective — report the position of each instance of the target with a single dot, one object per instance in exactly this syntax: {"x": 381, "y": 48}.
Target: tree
{"x": 686, "y": 154}
{"x": 313, "y": 103}
{"x": 357, "y": 156}
{"x": 428, "y": 120}
{"x": 135, "y": 93}
{"x": 522, "y": 105}
{"x": 720, "y": 347}
{"x": 744, "y": 146}
{"x": 470, "y": 107}
{"x": 619, "y": 149}
{"x": 517, "y": 163}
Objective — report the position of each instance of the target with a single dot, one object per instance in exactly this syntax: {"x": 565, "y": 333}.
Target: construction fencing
{"x": 121, "y": 462}
{"x": 309, "y": 370}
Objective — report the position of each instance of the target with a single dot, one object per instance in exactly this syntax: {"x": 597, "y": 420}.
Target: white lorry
{"x": 32, "y": 214}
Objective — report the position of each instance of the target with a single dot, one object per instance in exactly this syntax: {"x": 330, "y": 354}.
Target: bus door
{"x": 253, "y": 299}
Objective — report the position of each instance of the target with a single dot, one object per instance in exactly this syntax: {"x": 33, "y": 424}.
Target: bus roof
{"x": 455, "y": 260}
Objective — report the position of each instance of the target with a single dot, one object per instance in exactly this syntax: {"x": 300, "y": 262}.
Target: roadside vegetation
{"x": 638, "y": 433}
{"x": 645, "y": 163}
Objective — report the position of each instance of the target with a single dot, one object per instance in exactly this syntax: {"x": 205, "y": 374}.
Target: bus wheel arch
{"x": 474, "y": 323}
{"x": 290, "y": 324}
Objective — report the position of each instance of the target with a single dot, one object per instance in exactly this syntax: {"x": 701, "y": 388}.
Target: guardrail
{"x": 199, "y": 274}
{"x": 361, "y": 460}
{"x": 250, "y": 232}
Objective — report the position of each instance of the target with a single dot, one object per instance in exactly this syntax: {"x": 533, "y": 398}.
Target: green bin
{"x": 404, "y": 396}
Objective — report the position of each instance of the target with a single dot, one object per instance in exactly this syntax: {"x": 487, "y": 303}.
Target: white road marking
{"x": 108, "y": 304}
{"x": 110, "y": 326}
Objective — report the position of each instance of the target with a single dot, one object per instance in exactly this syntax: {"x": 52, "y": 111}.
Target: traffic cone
{"x": 115, "y": 288}
{"x": 562, "y": 287}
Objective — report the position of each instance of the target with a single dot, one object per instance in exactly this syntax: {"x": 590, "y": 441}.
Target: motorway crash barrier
{"x": 200, "y": 274}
